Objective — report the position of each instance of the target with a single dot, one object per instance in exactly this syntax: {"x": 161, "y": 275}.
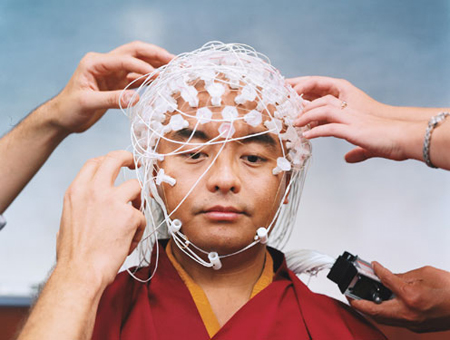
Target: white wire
{"x": 308, "y": 261}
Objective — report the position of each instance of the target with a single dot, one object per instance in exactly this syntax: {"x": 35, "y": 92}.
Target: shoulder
{"x": 123, "y": 287}
{"x": 116, "y": 303}
{"x": 319, "y": 310}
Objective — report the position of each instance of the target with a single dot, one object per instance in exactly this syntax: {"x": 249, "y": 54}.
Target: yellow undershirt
{"x": 198, "y": 295}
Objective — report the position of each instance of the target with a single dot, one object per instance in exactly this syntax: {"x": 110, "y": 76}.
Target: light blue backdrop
{"x": 397, "y": 51}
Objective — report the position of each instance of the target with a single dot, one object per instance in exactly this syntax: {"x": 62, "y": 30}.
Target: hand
{"x": 316, "y": 87}
{"x": 421, "y": 303}
{"x": 98, "y": 82}
{"x": 374, "y": 136}
{"x": 98, "y": 226}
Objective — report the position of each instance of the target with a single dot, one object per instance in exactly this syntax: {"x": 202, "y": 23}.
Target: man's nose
{"x": 223, "y": 175}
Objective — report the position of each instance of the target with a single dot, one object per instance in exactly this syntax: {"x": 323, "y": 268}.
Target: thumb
{"x": 138, "y": 234}
{"x": 391, "y": 281}
{"x": 358, "y": 154}
{"x": 111, "y": 99}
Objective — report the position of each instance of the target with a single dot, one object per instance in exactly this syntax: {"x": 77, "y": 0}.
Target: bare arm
{"x": 24, "y": 150}
{"x": 99, "y": 228}
{"x": 94, "y": 88}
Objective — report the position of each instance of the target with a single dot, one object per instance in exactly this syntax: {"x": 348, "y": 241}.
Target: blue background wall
{"x": 397, "y": 51}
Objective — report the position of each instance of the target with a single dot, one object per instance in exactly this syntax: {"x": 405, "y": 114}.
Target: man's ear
{"x": 288, "y": 180}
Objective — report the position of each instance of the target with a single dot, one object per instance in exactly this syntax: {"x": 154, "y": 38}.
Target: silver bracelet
{"x": 432, "y": 123}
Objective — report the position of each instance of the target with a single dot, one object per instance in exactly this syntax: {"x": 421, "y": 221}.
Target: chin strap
{"x": 262, "y": 236}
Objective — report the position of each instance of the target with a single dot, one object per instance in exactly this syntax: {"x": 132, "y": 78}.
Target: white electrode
{"x": 215, "y": 260}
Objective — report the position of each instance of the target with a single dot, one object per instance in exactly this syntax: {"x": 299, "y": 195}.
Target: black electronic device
{"x": 357, "y": 280}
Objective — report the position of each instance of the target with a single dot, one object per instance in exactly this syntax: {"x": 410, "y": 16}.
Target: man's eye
{"x": 254, "y": 159}
{"x": 194, "y": 155}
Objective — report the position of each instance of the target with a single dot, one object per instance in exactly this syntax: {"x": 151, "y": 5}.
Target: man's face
{"x": 235, "y": 197}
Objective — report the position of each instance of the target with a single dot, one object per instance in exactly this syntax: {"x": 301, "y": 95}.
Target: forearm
{"x": 25, "y": 149}
{"x": 414, "y": 122}
{"x": 410, "y": 113}
{"x": 66, "y": 308}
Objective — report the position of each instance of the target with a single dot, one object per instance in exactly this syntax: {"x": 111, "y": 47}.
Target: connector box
{"x": 357, "y": 280}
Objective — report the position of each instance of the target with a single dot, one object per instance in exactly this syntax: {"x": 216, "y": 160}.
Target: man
{"x": 217, "y": 152}
{"x": 213, "y": 134}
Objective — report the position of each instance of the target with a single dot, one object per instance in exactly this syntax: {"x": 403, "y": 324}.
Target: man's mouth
{"x": 223, "y": 213}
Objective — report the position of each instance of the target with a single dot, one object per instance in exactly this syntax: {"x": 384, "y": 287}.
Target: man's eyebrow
{"x": 264, "y": 139}
{"x": 185, "y": 134}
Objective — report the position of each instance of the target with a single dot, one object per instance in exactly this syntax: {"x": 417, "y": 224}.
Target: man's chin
{"x": 222, "y": 244}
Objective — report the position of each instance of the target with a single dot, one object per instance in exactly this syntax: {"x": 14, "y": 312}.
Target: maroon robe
{"x": 164, "y": 309}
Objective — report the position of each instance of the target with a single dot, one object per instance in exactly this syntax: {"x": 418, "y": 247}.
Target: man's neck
{"x": 229, "y": 288}
{"x": 241, "y": 270}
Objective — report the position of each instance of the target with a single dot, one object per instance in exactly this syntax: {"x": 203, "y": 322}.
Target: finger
{"x": 88, "y": 171}
{"x": 323, "y": 101}
{"x": 111, "y": 99}
{"x": 138, "y": 234}
{"x": 328, "y": 130}
{"x": 111, "y": 165}
{"x": 358, "y": 154}
{"x": 324, "y": 114}
{"x": 314, "y": 123}
{"x": 155, "y": 55}
{"x": 313, "y": 87}
{"x": 135, "y": 79}
{"x": 391, "y": 281}
{"x": 298, "y": 81}
{"x": 129, "y": 191}
{"x": 137, "y": 203}
{"x": 295, "y": 80}
{"x": 105, "y": 64}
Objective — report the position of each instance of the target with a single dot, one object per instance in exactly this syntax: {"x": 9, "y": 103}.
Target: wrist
{"x": 80, "y": 280}
{"x": 44, "y": 118}
{"x": 394, "y": 112}
{"x": 50, "y": 114}
{"x": 412, "y": 142}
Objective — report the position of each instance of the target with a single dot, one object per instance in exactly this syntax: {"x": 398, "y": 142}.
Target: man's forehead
{"x": 243, "y": 136}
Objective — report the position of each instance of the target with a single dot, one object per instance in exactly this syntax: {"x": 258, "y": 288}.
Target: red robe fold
{"x": 164, "y": 309}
